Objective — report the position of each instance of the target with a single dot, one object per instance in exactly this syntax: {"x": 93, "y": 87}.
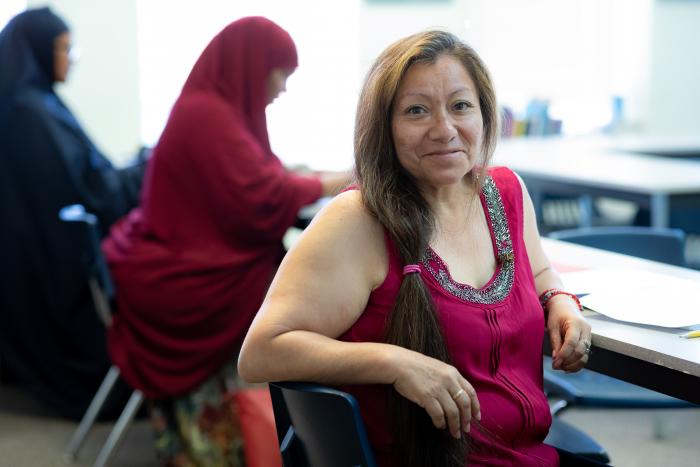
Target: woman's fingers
{"x": 435, "y": 412}
{"x": 450, "y": 401}
{"x": 468, "y": 404}
{"x": 474, "y": 400}
{"x": 464, "y": 404}
{"x": 580, "y": 355}
{"x": 456, "y": 409}
{"x": 576, "y": 347}
{"x": 566, "y": 352}
{"x": 555, "y": 340}
{"x": 453, "y": 415}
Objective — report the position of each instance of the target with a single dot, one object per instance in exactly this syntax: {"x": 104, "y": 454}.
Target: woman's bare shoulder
{"x": 349, "y": 213}
{"x": 345, "y": 232}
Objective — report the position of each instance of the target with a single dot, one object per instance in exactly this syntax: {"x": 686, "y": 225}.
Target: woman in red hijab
{"x": 192, "y": 264}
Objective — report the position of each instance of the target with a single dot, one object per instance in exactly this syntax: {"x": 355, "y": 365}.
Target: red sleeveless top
{"x": 493, "y": 333}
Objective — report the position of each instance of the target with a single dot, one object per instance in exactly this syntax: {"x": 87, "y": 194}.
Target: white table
{"x": 666, "y": 146}
{"x": 649, "y": 356}
{"x": 566, "y": 167}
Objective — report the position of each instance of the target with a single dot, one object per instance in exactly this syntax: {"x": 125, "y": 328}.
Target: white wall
{"x": 310, "y": 124}
{"x": 674, "y": 98}
{"x": 9, "y": 8}
{"x": 382, "y": 24}
{"x": 576, "y": 53}
{"x": 103, "y": 87}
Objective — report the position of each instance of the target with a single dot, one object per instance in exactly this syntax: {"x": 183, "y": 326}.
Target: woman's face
{"x": 61, "y": 62}
{"x": 277, "y": 83}
{"x": 437, "y": 124}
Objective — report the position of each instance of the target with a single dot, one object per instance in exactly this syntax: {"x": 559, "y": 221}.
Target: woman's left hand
{"x": 569, "y": 333}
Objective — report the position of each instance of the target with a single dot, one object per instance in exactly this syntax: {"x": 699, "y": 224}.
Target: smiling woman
{"x": 437, "y": 123}
{"x": 418, "y": 292}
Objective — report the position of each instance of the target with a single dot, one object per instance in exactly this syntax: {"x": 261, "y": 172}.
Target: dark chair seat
{"x": 318, "y": 426}
{"x": 322, "y": 426}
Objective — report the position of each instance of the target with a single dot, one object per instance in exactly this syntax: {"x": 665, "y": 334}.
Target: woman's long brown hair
{"x": 391, "y": 195}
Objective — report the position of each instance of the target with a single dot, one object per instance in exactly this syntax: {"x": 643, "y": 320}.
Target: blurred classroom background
{"x": 620, "y": 70}
{"x": 571, "y": 68}
{"x": 612, "y": 73}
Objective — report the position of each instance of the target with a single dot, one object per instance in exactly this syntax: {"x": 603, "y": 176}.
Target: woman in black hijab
{"x": 51, "y": 341}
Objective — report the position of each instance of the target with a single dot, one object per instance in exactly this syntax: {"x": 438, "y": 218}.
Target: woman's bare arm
{"x": 568, "y": 330}
{"x": 320, "y": 290}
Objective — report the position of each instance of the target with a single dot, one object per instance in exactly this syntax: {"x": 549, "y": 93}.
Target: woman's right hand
{"x": 438, "y": 388}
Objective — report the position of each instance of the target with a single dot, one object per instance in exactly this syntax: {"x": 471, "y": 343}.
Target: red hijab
{"x": 193, "y": 264}
{"x": 237, "y": 64}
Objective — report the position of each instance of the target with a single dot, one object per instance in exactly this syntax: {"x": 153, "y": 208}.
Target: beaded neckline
{"x": 499, "y": 286}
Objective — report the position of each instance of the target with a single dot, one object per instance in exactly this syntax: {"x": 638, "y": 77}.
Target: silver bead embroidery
{"x": 500, "y": 287}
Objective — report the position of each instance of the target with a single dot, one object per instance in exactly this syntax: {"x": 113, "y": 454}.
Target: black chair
{"x": 590, "y": 389}
{"x": 102, "y": 290}
{"x": 318, "y": 426}
{"x": 321, "y": 426}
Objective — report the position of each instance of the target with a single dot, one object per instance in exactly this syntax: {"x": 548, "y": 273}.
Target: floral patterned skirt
{"x": 202, "y": 428}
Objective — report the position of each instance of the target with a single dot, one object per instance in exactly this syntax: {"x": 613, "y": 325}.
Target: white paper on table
{"x": 638, "y": 296}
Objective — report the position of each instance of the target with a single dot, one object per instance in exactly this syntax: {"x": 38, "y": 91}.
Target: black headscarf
{"x": 27, "y": 53}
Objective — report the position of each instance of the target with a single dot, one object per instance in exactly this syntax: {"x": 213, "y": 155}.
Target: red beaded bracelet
{"x": 547, "y": 295}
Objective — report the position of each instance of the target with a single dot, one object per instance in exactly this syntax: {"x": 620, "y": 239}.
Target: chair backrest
{"x": 657, "y": 244}
{"x": 318, "y": 426}
{"x": 100, "y": 280}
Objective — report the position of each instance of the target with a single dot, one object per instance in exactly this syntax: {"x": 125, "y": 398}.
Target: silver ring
{"x": 457, "y": 394}
{"x": 587, "y": 344}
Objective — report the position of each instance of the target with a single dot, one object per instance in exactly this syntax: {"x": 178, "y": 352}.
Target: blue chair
{"x": 102, "y": 290}
{"x": 569, "y": 438}
{"x": 686, "y": 218}
{"x": 318, "y": 426}
{"x": 657, "y": 244}
{"x": 590, "y": 389}
{"x": 321, "y": 426}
